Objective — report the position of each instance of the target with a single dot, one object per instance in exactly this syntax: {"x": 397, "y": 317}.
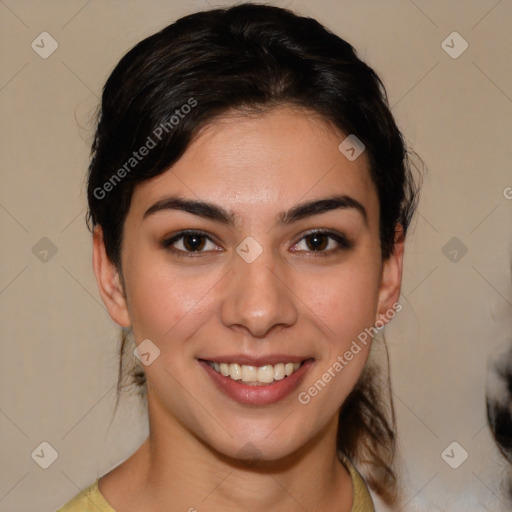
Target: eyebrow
{"x": 219, "y": 214}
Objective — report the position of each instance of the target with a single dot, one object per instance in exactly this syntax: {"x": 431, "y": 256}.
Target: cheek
{"x": 345, "y": 300}
{"x": 166, "y": 303}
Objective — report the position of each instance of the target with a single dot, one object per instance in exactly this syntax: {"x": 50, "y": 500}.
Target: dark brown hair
{"x": 251, "y": 58}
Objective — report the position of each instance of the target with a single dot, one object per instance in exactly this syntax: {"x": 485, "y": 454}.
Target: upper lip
{"x": 259, "y": 360}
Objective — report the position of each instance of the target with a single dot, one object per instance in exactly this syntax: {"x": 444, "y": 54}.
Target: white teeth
{"x": 266, "y": 373}
{"x": 279, "y": 371}
{"x": 249, "y": 373}
{"x": 256, "y": 375}
{"x": 235, "y": 372}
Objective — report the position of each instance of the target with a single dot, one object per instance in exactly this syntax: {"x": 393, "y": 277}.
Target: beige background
{"x": 59, "y": 347}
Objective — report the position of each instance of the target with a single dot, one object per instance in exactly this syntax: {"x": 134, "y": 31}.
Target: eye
{"x": 187, "y": 243}
{"x": 193, "y": 243}
{"x": 318, "y": 241}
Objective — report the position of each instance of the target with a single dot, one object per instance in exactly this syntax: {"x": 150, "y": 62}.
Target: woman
{"x": 249, "y": 194}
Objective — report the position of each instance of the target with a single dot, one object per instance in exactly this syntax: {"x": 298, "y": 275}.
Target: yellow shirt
{"x": 91, "y": 500}
{"x": 362, "y": 499}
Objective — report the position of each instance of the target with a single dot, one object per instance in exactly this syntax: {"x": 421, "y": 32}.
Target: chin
{"x": 275, "y": 441}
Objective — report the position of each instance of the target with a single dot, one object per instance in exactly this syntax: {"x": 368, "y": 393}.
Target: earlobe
{"x": 391, "y": 278}
{"x": 109, "y": 281}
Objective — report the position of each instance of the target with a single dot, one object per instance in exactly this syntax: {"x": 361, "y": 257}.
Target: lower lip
{"x": 258, "y": 395}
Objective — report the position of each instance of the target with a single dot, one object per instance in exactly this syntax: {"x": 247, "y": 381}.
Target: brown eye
{"x": 189, "y": 243}
{"x": 317, "y": 241}
{"x": 193, "y": 242}
{"x": 323, "y": 242}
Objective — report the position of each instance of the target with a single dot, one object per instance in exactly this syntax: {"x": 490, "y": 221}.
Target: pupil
{"x": 194, "y": 246}
{"x": 314, "y": 238}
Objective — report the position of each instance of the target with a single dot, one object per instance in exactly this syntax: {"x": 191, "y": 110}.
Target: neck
{"x": 174, "y": 467}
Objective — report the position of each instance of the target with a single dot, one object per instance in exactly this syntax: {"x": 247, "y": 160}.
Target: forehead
{"x": 267, "y": 161}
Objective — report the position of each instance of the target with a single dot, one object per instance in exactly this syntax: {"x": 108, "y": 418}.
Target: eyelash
{"x": 341, "y": 240}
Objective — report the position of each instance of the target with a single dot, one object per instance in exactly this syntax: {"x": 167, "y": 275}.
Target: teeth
{"x": 235, "y": 372}
{"x": 279, "y": 373}
{"x": 256, "y": 375}
{"x": 249, "y": 373}
{"x": 265, "y": 374}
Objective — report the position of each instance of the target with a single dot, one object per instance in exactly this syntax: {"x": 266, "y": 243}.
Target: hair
{"x": 250, "y": 59}
{"x": 498, "y": 399}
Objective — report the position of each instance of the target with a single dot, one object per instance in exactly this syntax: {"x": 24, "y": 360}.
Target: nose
{"x": 259, "y": 297}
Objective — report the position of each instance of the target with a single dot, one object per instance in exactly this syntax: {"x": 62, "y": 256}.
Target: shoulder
{"x": 362, "y": 498}
{"x": 88, "y": 500}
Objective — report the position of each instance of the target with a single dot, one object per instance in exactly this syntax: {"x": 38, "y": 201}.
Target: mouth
{"x": 256, "y": 375}
{"x": 261, "y": 383}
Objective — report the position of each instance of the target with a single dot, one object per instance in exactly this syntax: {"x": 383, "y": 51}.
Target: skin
{"x": 290, "y": 300}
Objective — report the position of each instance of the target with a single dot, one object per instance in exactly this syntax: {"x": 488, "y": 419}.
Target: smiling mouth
{"x": 256, "y": 375}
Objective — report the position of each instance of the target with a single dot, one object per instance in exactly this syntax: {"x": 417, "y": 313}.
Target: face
{"x": 281, "y": 266}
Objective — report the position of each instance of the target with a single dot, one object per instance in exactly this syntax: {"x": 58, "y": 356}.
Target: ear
{"x": 108, "y": 279}
{"x": 391, "y": 278}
